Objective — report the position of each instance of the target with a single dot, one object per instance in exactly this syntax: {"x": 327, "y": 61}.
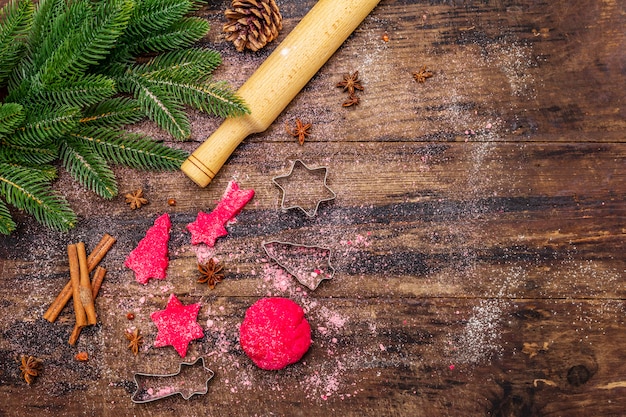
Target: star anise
{"x": 352, "y": 100}
{"x": 301, "y": 131}
{"x": 351, "y": 82}
{"x": 30, "y": 368}
{"x": 421, "y": 75}
{"x": 136, "y": 199}
{"x": 135, "y": 339}
{"x": 210, "y": 273}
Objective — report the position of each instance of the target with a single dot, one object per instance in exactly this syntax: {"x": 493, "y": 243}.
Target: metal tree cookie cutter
{"x": 188, "y": 381}
{"x": 310, "y": 265}
{"x": 307, "y": 197}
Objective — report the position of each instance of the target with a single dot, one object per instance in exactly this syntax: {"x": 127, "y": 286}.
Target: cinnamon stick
{"x": 99, "y": 251}
{"x": 66, "y": 293}
{"x": 79, "y": 310}
{"x": 74, "y": 336}
{"x": 96, "y": 283}
{"x": 86, "y": 298}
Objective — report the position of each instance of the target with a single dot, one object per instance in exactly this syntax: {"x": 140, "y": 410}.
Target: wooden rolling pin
{"x": 277, "y": 81}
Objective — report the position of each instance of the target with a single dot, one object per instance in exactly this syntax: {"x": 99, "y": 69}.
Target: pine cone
{"x": 252, "y": 23}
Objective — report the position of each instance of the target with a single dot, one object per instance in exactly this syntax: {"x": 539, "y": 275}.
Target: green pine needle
{"x": 88, "y": 168}
{"x": 15, "y": 21}
{"x": 186, "y": 65}
{"x": 27, "y": 155}
{"x": 181, "y": 34}
{"x": 11, "y": 116}
{"x": 113, "y": 113}
{"x": 132, "y": 149}
{"x": 164, "y": 110}
{"x": 73, "y": 82}
{"x": 21, "y": 189}
{"x": 153, "y": 16}
{"x": 89, "y": 90}
{"x": 90, "y": 43}
{"x": 7, "y": 225}
{"x": 214, "y": 98}
{"x": 44, "y": 125}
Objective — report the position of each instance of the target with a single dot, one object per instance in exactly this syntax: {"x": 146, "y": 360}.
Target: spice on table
{"x": 30, "y": 368}
{"x": 352, "y": 100}
{"x": 301, "y": 131}
{"x": 135, "y": 340}
{"x": 93, "y": 259}
{"x": 86, "y": 294}
{"x": 82, "y": 356}
{"x": 351, "y": 82}
{"x": 96, "y": 283}
{"x": 79, "y": 308}
{"x": 136, "y": 199}
{"x": 210, "y": 273}
{"x": 423, "y": 74}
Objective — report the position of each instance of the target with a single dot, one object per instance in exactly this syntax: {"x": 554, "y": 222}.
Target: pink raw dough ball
{"x": 275, "y": 333}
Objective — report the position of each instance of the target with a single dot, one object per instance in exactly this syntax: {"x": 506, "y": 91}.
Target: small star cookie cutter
{"x": 152, "y": 387}
{"x": 310, "y": 265}
{"x": 306, "y": 193}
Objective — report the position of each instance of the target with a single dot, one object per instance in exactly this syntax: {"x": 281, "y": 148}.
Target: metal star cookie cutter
{"x": 304, "y": 193}
{"x": 310, "y": 268}
{"x": 151, "y": 387}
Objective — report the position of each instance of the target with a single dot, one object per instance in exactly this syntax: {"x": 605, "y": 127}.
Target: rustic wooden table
{"x": 477, "y": 234}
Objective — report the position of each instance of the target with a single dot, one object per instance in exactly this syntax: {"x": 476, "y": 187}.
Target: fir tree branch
{"x": 28, "y": 155}
{"x": 150, "y": 16}
{"x": 15, "y": 22}
{"x": 134, "y": 150}
{"x": 11, "y": 116}
{"x": 88, "y": 168}
{"x": 90, "y": 44}
{"x": 113, "y": 113}
{"x": 89, "y": 90}
{"x": 7, "y": 225}
{"x": 165, "y": 111}
{"x": 44, "y": 125}
{"x": 61, "y": 101}
{"x": 43, "y": 173}
{"x": 185, "y": 66}
{"x": 181, "y": 34}
{"x": 21, "y": 189}
{"x": 45, "y": 21}
{"x": 214, "y": 98}
{"x": 60, "y": 22}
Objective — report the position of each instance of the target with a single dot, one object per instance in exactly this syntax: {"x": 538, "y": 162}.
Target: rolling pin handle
{"x": 204, "y": 163}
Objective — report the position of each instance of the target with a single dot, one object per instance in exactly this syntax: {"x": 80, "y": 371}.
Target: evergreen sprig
{"x": 75, "y": 74}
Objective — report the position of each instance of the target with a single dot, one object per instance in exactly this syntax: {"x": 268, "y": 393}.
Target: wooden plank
{"x": 476, "y": 223}
{"x": 403, "y": 357}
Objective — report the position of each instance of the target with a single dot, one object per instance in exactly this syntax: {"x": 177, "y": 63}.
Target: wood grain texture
{"x": 477, "y": 234}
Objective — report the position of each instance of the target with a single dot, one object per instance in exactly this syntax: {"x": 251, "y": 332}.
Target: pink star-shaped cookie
{"x": 177, "y": 325}
{"x": 149, "y": 259}
{"x": 208, "y": 227}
